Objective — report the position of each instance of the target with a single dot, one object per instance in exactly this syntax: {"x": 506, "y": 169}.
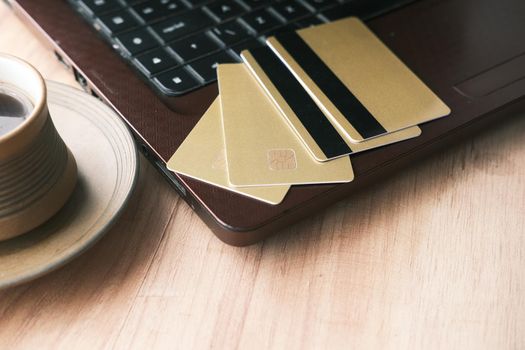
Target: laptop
{"x": 154, "y": 62}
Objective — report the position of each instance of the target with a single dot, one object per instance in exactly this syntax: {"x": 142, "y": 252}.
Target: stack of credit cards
{"x": 296, "y": 110}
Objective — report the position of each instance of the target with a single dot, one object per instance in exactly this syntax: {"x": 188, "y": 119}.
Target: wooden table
{"x": 432, "y": 258}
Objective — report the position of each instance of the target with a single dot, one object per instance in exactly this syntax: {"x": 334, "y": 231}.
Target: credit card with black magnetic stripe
{"x": 360, "y": 85}
{"x": 261, "y": 149}
{"x": 305, "y": 118}
{"x": 357, "y": 115}
{"x": 303, "y": 114}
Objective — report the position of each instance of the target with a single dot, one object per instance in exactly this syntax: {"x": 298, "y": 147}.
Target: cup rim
{"x": 38, "y": 105}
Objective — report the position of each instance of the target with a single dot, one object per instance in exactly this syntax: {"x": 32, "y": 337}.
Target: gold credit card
{"x": 202, "y": 156}
{"x": 305, "y": 117}
{"x": 363, "y": 88}
{"x": 261, "y": 149}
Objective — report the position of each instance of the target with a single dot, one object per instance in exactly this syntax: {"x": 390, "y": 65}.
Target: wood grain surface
{"x": 432, "y": 258}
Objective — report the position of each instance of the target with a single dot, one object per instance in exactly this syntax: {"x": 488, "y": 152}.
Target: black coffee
{"x": 15, "y": 107}
{"x": 11, "y": 107}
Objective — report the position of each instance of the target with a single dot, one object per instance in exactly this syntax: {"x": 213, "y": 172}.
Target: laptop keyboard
{"x": 177, "y": 44}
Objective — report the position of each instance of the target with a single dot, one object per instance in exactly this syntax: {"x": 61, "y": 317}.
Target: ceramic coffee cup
{"x": 37, "y": 171}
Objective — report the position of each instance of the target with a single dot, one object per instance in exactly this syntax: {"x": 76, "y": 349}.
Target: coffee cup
{"x": 38, "y": 173}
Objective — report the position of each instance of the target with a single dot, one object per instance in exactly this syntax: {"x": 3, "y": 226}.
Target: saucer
{"x": 107, "y": 163}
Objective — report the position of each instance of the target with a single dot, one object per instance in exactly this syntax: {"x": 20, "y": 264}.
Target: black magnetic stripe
{"x": 301, "y": 103}
{"x": 353, "y": 110}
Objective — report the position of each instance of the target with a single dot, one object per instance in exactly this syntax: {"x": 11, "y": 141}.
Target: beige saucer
{"x": 107, "y": 167}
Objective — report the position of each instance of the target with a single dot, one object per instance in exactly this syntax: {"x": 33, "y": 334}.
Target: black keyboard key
{"x": 279, "y": 30}
{"x": 231, "y": 32}
{"x": 290, "y": 10}
{"x": 206, "y": 67}
{"x": 101, "y": 6}
{"x": 152, "y": 10}
{"x": 261, "y": 21}
{"x": 318, "y": 5}
{"x": 225, "y": 9}
{"x": 197, "y": 3}
{"x": 182, "y": 25}
{"x": 194, "y": 47}
{"x": 253, "y": 4}
{"x": 308, "y": 22}
{"x": 246, "y": 45}
{"x": 137, "y": 41}
{"x": 117, "y": 22}
{"x": 155, "y": 61}
{"x": 176, "y": 82}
